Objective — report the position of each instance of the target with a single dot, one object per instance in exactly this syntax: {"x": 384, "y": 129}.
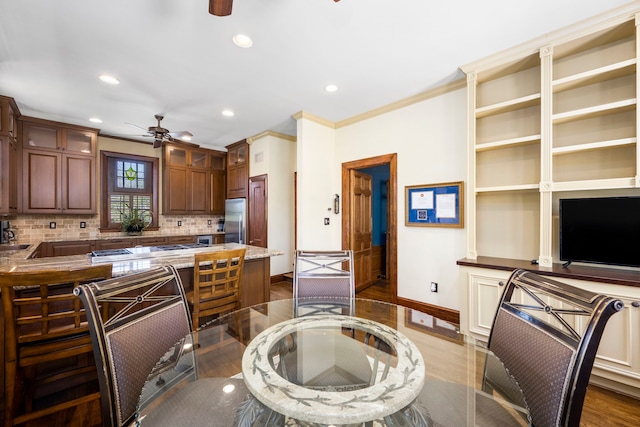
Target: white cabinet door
{"x": 485, "y": 291}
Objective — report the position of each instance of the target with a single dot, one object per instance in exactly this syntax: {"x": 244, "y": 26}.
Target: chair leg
{"x": 10, "y": 381}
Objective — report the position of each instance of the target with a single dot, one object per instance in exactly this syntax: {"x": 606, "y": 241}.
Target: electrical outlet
{"x": 208, "y": 222}
{"x": 179, "y": 223}
{"x": 434, "y": 287}
{"x": 326, "y": 221}
{"x": 83, "y": 224}
{"x": 52, "y": 224}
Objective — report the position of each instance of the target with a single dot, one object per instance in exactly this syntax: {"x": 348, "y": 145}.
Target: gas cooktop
{"x": 147, "y": 252}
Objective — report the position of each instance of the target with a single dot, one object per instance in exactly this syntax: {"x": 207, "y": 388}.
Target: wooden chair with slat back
{"x": 48, "y": 362}
{"x": 547, "y": 334}
{"x": 216, "y": 283}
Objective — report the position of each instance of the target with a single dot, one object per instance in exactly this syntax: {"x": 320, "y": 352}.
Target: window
{"x": 128, "y": 182}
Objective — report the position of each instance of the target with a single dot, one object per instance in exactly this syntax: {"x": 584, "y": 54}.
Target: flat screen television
{"x": 603, "y": 230}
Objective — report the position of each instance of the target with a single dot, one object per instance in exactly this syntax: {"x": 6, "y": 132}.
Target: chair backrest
{"x": 323, "y": 275}
{"x": 547, "y": 334}
{"x": 134, "y": 320}
{"x": 41, "y": 305}
{"x": 45, "y": 328}
{"x": 216, "y": 283}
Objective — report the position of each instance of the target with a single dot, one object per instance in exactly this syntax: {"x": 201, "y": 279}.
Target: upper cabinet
{"x": 188, "y": 184}
{"x": 546, "y": 122}
{"x": 58, "y": 168}
{"x": 237, "y": 169}
{"x": 9, "y": 156}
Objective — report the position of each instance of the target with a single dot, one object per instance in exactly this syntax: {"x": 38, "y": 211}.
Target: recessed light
{"x": 109, "y": 79}
{"x": 95, "y": 120}
{"x": 228, "y": 113}
{"x": 331, "y": 88}
{"x": 242, "y": 40}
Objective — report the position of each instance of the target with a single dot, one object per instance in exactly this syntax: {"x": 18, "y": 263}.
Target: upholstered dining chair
{"x": 216, "y": 283}
{"x": 547, "y": 334}
{"x": 136, "y": 321}
{"x": 323, "y": 283}
{"x": 323, "y": 275}
{"x": 48, "y": 362}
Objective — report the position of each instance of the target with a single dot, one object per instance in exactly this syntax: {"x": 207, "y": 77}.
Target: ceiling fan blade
{"x": 136, "y": 126}
{"x": 180, "y": 134}
{"x": 220, "y": 7}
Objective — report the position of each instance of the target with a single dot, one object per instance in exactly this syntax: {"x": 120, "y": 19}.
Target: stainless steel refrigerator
{"x": 235, "y": 221}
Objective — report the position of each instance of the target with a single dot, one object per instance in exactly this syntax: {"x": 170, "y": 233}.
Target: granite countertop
{"x": 18, "y": 260}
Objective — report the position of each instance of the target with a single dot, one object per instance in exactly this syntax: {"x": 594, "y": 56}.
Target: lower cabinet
{"x": 79, "y": 247}
{"x": 256, "y": 281}
{"x": 617, "y": 364}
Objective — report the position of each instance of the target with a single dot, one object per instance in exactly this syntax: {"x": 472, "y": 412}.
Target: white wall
{"x": 430, "y": 140}
{"x": 318, "y": 181}
{"x": 276, "y": 158}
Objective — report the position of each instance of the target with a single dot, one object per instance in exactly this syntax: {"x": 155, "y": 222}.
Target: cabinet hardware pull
{"x": 501, "y": 283}
{"x": 635, "y": 304}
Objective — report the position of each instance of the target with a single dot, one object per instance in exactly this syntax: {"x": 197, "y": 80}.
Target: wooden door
{"x": 41, "y": 182}
{"x": 78, "y": 184}
{"x": 257, "y": 233}
{"x": 361, "y": 227}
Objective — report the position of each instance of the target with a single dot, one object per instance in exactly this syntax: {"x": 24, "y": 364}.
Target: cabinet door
{"x": 105, "y": 244}
{"x": 175, "y": 155}
{"x": 197, "y": 193}
{"x": 176, "y": 240}
{"x": 175, "y": 195}
{"x": 40, "y": 136}
{"x": 8, "y": 175}
{"x": 237, "y": 154}
{"x": 41, "y": 182}
{"x": 198, "y": 159}
{"x": 237, "y": 178}
{"x": 151, "y": 241}
{"x": 78, "y": 185}
{"x": 484, "y": 296}
{"x": 217, "y": 161}
{"x": 256, "y": 277}
{"x": 80, "y": 247}
{"x": 217, "y": 191}
{"x": 79, "y": 141}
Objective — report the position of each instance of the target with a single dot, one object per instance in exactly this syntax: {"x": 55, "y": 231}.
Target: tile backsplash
{"x": 37, "y": 228}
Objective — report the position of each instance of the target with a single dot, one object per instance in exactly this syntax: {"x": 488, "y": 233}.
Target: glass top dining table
{"x": 331, "y": 363}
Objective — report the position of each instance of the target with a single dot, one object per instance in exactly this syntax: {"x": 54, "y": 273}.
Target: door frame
{"x": 392, "y": 219}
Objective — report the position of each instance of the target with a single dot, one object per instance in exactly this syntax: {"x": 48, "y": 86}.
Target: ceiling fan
{"x": 160, "y": 134}
{"x": 223, "y": 7}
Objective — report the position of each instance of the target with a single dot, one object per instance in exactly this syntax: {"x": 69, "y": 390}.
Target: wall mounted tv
{"x": 603, "y": 230}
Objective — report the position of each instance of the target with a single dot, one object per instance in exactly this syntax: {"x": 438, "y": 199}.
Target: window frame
{"x": 105, "y": 214}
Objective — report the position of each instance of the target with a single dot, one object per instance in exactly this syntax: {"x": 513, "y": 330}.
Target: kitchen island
{"x": 256, "y": 275}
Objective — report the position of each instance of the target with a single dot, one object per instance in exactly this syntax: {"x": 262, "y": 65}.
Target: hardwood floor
{"x": 602, "y": 407}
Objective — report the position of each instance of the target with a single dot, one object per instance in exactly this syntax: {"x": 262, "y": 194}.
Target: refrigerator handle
{"x": 240, "y": 230}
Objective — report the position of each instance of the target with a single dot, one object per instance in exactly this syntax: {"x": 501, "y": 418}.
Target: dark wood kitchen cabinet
{"x": 217, "y": 182}
{"x": 9, "y": 156}
{"x": 237, "y": 169}
{"x": 189, "y": 187}
{"x": 58, "y": 168}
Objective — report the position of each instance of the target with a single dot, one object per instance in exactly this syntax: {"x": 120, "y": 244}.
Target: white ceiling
{"x": 173, "y": 57}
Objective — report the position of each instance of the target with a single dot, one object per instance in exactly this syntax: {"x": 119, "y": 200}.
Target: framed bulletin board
{"x": 435, "y": 205}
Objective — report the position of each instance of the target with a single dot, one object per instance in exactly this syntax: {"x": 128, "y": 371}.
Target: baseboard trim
{"x": 444, "y": 313}
{"x": 280, "y": 278}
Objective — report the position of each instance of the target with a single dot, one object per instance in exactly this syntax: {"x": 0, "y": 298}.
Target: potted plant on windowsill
{"x": 135, "y": 220}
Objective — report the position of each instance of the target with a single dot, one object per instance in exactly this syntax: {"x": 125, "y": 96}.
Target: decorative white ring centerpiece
{"x": 398, "y": 390}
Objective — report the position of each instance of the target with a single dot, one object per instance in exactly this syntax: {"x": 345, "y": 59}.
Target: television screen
{"x": 600, "y": 230}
